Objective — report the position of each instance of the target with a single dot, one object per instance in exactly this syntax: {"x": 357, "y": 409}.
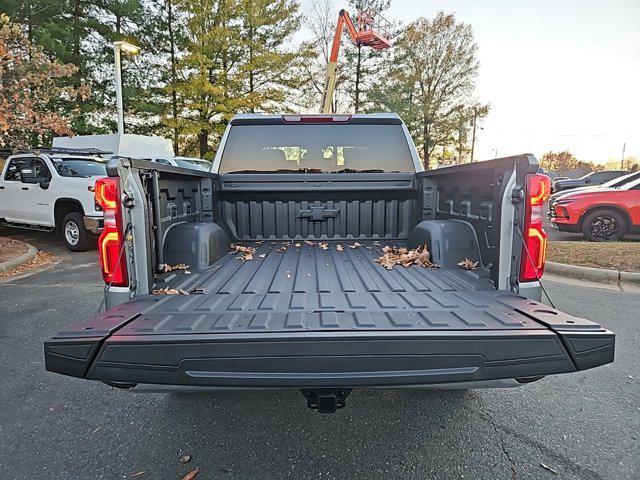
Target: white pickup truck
{"x": 273, "y": 270}
{"x": 53, "y": 191}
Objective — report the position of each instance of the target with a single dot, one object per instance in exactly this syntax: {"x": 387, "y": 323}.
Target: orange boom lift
{"x": 367, "y": 32}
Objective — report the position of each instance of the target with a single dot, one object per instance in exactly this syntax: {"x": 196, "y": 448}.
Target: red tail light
{"x": 535, "y": 238}
{"x": 112, "y": 262}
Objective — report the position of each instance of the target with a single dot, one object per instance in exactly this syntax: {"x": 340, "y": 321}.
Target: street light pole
{"x": 118, "y": 47}
{"x": 119, "y": 107}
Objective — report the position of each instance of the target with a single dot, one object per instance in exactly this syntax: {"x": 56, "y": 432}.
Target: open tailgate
{"x": 192, "y": 340}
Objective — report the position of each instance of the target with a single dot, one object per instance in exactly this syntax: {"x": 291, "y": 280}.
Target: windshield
{"x": 316, "y": 149}
{"x": 80, "y": 167}
{"x": 193, "y": 164}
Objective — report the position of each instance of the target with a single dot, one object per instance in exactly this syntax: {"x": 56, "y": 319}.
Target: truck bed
{"x": 313, "y": 318}
{"x": 306, "y": 288}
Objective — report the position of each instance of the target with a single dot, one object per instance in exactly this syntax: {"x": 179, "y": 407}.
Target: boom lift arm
{"x": 363, "y": 34}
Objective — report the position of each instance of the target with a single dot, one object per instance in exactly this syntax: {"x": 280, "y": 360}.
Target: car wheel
{"x": 75, "y": 236}
{"x": 604, "y": 226}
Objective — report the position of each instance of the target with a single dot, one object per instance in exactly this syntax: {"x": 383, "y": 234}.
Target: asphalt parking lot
{"x": 584, "y": 425}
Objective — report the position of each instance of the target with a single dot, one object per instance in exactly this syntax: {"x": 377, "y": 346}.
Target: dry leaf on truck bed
{"x": 298, "y": 245}
{"x": 170, "y": 291}
{"x": 191, "y": 475}
{"x": 339, "y": 247}
{"x": 166, "y": 268}
{"x": 241, "y": 249}
{"x": 468, "y": 264}
{"x": 246, "y": 253}
{"x": 324, "y": 246}
{"x": 310, "y": 243}
{"x": 263, "y": 255}
{"x": 355, "y": 245}
{"x": 282, "y": 249}
{"x": 403, "y": 256}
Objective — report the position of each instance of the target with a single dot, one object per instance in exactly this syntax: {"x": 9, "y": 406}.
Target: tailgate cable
{"x": 524, "y": 245}
{"x": 108, "y": 286}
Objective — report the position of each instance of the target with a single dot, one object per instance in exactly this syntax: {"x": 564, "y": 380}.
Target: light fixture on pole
{"x": 121, "y": 46}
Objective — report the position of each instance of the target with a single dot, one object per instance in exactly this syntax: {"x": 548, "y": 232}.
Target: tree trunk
{"x": 425, "y": 133}
{"x": 203, "y": 142}
{"x": 358, "y": 68}
{"x": 174, "y": 79}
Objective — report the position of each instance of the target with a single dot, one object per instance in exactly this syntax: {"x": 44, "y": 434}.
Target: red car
{"x": 601, "y": 214}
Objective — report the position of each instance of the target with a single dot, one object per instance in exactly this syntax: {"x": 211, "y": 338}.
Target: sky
{"x": 558, "y": 74}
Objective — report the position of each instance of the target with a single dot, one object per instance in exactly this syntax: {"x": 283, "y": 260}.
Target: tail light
{"x": 113, "y": 260}
{"x": 535, "y": 238}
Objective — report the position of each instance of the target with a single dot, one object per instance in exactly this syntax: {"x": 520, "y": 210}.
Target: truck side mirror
{"x": 28, "y": 175}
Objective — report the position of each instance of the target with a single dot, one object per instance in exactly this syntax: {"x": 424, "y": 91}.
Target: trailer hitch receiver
{"x": 326, "y": 400}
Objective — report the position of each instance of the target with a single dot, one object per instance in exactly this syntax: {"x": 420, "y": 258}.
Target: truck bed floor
{"x": 306, "y": 288}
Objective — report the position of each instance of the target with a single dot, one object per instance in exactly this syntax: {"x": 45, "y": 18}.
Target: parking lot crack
{"x": 501, "y": 430}
{"x": 500, "y": 436}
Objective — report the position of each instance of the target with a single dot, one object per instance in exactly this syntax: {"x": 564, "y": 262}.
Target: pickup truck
{"x": 53, "y": 190}
{"x": 266, "y": 272}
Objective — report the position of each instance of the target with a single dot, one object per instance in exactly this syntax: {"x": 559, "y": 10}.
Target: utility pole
{"x": 473, "y": 138}
{"x": 118, "y": 47}
{"x": 624, "y": 147}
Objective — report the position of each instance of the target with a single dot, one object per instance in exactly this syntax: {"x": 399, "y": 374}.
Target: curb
{"x": 16, "y": 262}
{"x": 597, "y": 275}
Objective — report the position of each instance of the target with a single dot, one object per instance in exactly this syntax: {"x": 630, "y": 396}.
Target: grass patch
{"x": 623, "y": 256}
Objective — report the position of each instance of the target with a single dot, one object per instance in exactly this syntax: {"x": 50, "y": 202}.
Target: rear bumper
{"x": 329, "y": 359}
{"x": 94, "y": 224}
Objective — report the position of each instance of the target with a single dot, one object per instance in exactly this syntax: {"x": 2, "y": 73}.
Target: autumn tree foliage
{"x": 429, "y": 80}
{"x": 32, "y": 102}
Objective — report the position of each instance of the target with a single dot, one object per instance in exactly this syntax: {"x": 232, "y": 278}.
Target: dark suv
{"x": 593, "y": 178}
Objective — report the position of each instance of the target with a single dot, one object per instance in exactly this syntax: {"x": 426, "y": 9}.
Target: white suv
{"x": 53, "y": 191}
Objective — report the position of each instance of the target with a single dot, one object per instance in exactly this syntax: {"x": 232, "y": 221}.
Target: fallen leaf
{"x": 339, "y": 247}
{"x": 393, "y": 256}
{"x": 263, "y": 255}
{"x": 376, "y": 243}
{"x": 137, "y": 474}
{"x": 185, "y": 458}
{"x": 547, "y": 467}
{"x": 169, "y": 291}
{"x": 355, "y": 245}
{"x": 246, "y": 253}
{"x": 192, "y": 474}
{"x": 468, "y": 264}
{"x": 324, "y": 245}
{"x": 166, "y": 268}
{"x": 310, "y": 243}
{"x": 298, "y": 245}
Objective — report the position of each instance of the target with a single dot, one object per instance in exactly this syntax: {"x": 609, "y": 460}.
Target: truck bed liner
{"x": 307, "y": 288}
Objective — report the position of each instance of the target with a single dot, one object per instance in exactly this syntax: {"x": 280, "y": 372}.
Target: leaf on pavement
{"x": 137, "y": 474}
{"x": 192, "y": 474}
{"x": 185, "y": 459}
{"x": 547, "y": 467}
{"x": 468, "y": 264}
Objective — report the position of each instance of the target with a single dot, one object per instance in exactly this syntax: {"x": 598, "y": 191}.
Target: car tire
{"x": 604, "y": 225}
{"x": 75, "y": 236}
